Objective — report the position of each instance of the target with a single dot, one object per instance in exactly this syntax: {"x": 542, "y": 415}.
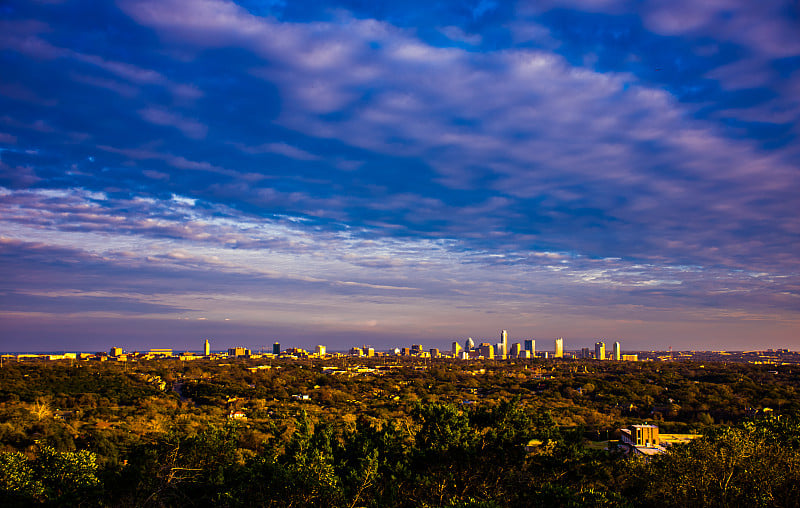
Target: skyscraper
{"x": 469, "y": 344}
{"x": 207, "y": 348}
{"x": 456, "y": 350}
{"x": 516, "y": 349}
{"x": 559, "y": 348}
{"x": 530, "y": 345}
{"x": 600, "y": 350}
{"x": 504, "y": 341}
{"x": 276, "y": 348}
{"x": 617, "y": 351}
{"x": 321, "y": 350}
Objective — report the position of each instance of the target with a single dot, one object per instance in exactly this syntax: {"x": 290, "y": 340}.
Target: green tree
{"x": 18, "y": 482}
{"x": 754, "y": 464}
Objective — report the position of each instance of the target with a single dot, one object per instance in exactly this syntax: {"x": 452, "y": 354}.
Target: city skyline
{"x": 346, "y": 173}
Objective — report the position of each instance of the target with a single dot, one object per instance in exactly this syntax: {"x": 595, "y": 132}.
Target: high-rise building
{"x": 455, "y": 349}
{"x": 276, "y": 348}
{"x": 115, "y": 351}
{"x": 469, "y": 345}
{"x": 238, "y": 351}
{"x": 617, "y": 351}
{"x": 516, "y": 349}
{"x": 530, "y": 345}
{"x": 504, "y": 344}
{"x": 600, "y": 350}
{"x": 434, "y": 352}
{"x": 486, "y": 350}
{"x": 321, "y": 350}
{"x": 207, "y": 348}
{"x": 369, "y": 351}
{"x": 559, "y": 348}
{"x": 356, "y": 351}
{"x": 585, "y": 353}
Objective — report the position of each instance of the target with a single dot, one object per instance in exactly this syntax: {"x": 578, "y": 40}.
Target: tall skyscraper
{"x": 530, "y": 345}
{"x": 456, "y": 350}
{"x": 600, "y": 350}
{"x": 487, "y": 350}
{"x": 469, "y": 344}
{"x": 617, "y": 351}
{"x": 207, "y": 348}
{"x": 559, "y": 348}
{"x": 321, "y": 350}
{"x": 276, "y": 348}
{"x": 504, "y": 341}
{"x": 516, "y": 349}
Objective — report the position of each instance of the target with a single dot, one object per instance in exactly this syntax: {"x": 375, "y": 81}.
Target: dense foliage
{"x": 452, "y": 434}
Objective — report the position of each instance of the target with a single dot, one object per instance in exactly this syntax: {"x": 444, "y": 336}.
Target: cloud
{"x": 333, "y": 163}
{"x": 280, "y": 149}
{"x": 189, "y": 127}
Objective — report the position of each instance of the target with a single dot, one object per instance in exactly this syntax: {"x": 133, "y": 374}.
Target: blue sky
{"x": 385, "y": 173}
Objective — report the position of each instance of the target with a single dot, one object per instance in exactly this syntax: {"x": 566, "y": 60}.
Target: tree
{"x": 18, "y": 484}
{"x": 754, "y": 464}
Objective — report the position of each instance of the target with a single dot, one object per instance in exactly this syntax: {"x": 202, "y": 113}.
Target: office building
{"x": 469, "y": 345}
{"x": 321, "y": 350}
{"x": 516, "y": 349}
{"x": 456, "y": 350}
{"x": 486, "y": 350}
{"x": 559, "y": 348}
{"x": 503, "y": 353}
{"x": 530, "y": 345}
{"x": 356, "y": 351}
{"x": 207, "y": 348}
{"x": 617, "y": 352}
{"x": 585, "y": 353}
{"x": 276, "y": 348}
{"x": 369, "y": 351}
{"x": 434, "y": 353}
{"x": 600, "y": 350}
{"x": 238, "y": 351}
{"x": 115, "y": 351}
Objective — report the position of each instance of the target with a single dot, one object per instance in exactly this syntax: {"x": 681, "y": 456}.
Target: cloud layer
{"x": 587, "y": 169}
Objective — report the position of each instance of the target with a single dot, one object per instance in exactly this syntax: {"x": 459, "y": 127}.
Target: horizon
{"x": 346, "y": 173}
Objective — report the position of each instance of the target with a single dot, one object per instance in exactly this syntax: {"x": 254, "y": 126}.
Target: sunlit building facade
{"x": 530, "y": 345}
{"x": 600, "y": 350}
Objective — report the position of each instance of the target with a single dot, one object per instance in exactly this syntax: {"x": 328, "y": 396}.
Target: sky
{"x": 386, "y": 173}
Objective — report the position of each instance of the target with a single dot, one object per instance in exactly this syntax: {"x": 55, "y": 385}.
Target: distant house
{"x": 237, "y": 415}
